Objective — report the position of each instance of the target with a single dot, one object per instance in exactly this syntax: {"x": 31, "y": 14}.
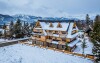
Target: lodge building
{"x": 56, "y": 34}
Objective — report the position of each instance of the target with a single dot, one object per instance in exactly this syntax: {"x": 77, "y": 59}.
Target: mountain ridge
{"x": 30, "y": 18}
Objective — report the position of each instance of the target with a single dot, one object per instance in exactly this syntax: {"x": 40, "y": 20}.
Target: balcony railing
{"x": 62, "y": 43}
{"x": 33, "y": 38}
{"x": 56, "y": 35}
{"x": 37, "y": 26}
{"x": 49, "y": 34}
{"x": 63, "y": 35}
{"x": 49, "y": 40}
{"x": 35, "y": 30}
{"x": 38, "y": 39}
{"x": 59, "y": 38}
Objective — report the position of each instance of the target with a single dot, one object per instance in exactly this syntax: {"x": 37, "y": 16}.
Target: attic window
{"x": 59, "y": 25}
{"x": 38, "y": 25}
{"x": 74, "y": 26}
{"x": 51, "y": 25}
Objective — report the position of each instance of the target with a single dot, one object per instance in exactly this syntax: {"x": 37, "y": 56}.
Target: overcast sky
{"x": 52, "y": 8}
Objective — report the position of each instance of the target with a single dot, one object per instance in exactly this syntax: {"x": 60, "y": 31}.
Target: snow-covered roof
{"x": 56, "y": 35}
{"x": 46, "y": 26}
{"x": 56, "y": 20}
{"x": 72, "y": 36}
{"x": 55, "y": 42}
{"x": 73, "y": 43}
{"x": 70, "y": 30}
{"x": 65, "y": 26}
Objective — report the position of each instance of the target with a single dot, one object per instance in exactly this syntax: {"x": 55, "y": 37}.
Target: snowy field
{"x": 19, "y": 53}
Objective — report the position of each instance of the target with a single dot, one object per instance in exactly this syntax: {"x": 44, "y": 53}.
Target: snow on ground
{"x": 19, "y": 53}
{"x": 1, "y": 40}
{"x": 87, "y": 50}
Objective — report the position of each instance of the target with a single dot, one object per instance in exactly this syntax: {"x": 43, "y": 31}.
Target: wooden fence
{"x": 11, "y": 42}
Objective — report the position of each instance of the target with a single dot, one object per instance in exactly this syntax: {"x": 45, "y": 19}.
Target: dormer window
{"x": 51, "y": 25}
{"x": 74, "y": 26}
{"x": 59, "y": 25}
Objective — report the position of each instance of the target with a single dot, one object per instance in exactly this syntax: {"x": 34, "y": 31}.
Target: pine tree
{"x": 87, "y": 20}
{"x": 11, "y": 29}
{"x": 18, "y": 29}
{"x": 95, "y": 36}
{"x": 26, "y": 29}
{"x": 83, "y": 45}
{"x": 67, "y": 48}
{"x": 96, "y": 28}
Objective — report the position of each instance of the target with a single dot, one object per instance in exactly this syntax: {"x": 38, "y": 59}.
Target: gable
{"x": 71, "y": 29}
{"x": 63, "y": 26}
{"x": 38, "y": 25}
{"x": 51, "y": 25}
{"x": 59, "y": 25}
{"x": 74, "y": 25}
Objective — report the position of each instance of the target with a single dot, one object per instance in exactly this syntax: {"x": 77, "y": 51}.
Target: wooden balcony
{"x": 50, "y": 34}
{"x": 35, "y": 35}
{"x": 56, "y": 35}
{"x": 37, "y": 30}
{"x": 63, "y": 35}
{"x": 62, "y": 43}
{"x": 37, "y": 26}
{"x": 8, "y": 33}
{"x": 49, "y": 40}
{"x": 59, "y": 38}
{"x": 33, "y": 38}
{"x": 38, "y": 39}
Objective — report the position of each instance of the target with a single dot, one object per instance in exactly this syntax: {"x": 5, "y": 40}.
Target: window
{"x": 39, "y": 36}
{"x": 56, "y": 32}
{"x": 50, "y": 37}
{"x": 51, "y": 25}
{"x": 63, "y": 46}
{"x": 50, "y": 31}
{"x": 64, "y": 39}
{"x": 59, "y": 25}
{"x": 64, "y": 32}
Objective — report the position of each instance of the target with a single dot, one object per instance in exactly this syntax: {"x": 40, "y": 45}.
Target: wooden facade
{"x": 45, "y": 37}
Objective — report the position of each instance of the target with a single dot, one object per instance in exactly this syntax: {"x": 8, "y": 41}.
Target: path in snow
{"x": 27, "y": 54}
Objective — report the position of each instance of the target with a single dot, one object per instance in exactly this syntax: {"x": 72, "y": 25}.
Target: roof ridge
{"x": 56, "y": 20}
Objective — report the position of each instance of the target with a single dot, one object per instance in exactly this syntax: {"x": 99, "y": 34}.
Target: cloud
{"x": 55, "y": 8}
